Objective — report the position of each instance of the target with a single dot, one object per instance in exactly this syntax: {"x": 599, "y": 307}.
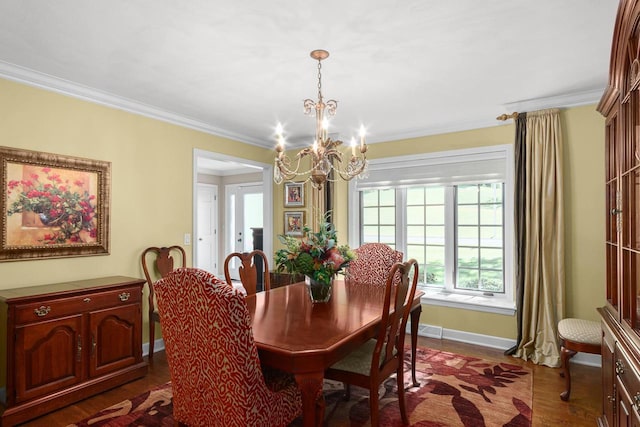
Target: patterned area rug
{"x": 455, "y": 390}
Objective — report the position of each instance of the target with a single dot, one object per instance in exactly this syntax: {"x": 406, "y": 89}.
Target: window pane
{"x": 492, "y": 281}
{"x": 435, "y": 195}
{"x": 468, "y": 279}
{"x": 435, "y": 235}
{"x": 387, "y": 215}
{"x": 491, "y": 236}
{"x": 435, "y": 214}
{"x": 468, "y": 236}
{"x": 467, "y": 194}
{"x": 387, "y": 235}
{"x": 416, "y": 252}
{"x": 435, "y": 265}
{"x": 467, "y": 258}
{"x": 370, "y": 215}
{"x": 388, "y": 197}
{"x": 369, "y": 234}
{"x": 491, "y": 193}
{"x": 415, "y": 196}
{"x": 468, "y": 214}
{"x": 491, "y": 258}
{"x": 491, "y": 214}
{"x": 415, "y": 235}
{"x": 370, "y": 198}
{"x": 415, "y": 215}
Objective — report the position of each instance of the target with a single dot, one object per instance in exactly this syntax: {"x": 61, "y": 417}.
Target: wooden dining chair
{"x": 373, "y": 263}
{"x": 215, "y": 370}
{"x": 248, "y": 270}
{"x": 377, "y": 359}
{"x": 162, "y": 262}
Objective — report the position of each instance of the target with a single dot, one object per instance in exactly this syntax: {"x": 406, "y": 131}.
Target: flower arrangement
{"x": 316, "y": 255}
{"x": 66, "y": 207}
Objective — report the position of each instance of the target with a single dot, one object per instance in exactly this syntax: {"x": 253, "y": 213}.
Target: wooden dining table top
{"x": 286, "y": 324}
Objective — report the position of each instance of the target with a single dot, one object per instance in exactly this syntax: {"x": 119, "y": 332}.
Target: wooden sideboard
{"x": 64, "y": 342}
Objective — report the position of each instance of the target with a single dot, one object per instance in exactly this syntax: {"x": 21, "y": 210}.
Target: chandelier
{"x": 324, "y": 155}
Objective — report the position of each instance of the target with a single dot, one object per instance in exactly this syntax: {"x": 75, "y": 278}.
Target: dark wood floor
{"x": 548, "y": 410}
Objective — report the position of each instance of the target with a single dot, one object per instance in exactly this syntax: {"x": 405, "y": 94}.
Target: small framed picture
{"x": 293, "y": 194}
{"x": 293, "y": 223}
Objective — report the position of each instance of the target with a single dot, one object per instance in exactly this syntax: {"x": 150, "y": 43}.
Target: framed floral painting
{"x": 293, "y": 223}
{"x": 53, "y": 206}
{"x": 294, "y": 194}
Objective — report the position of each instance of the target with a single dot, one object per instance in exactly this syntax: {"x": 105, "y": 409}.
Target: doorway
{"x": 222, "y": 171}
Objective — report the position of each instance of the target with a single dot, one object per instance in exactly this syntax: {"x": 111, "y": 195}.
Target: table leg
{"x": 415, "y": 321}
{"x": 310, "y": 385}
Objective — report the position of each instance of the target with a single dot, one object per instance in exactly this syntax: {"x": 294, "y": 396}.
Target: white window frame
{"x": 449, "y": 297}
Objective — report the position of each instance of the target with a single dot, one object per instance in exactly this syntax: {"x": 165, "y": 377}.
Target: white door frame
{"x": 215, "y": 267}
{"x": 230, "y": 236}
{"x": 267, "y": 191}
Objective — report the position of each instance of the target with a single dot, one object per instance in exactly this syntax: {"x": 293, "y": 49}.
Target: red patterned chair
{"x": 213, "y": 360}
{"x": 373, "y": 263}
{"x": 377, "y": 359}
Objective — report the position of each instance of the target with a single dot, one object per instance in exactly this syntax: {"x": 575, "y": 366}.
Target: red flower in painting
{"x": 70, "y": 214}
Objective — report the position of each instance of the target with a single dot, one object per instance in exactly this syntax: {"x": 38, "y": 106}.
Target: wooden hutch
{"x": 620, "y": 105}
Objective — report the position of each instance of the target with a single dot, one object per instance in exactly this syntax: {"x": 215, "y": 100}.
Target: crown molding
{"x": 559, "y": 101}
{"x": 85, "y": 93}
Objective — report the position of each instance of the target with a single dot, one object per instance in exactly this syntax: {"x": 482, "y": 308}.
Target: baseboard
{"x": 158, "y": 345}
{"x": 499, "y": 343}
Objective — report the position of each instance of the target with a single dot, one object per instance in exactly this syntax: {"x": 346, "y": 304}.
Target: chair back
{"x": 162, "y": 265}
{"x": 248, "y": 270}
{"x": 213, "y": 360}
{"x": 398, "y": 298}
{"x": 373, "y": 263}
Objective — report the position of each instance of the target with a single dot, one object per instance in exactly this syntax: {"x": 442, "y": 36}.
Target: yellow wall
{"x": 152, "y": 190}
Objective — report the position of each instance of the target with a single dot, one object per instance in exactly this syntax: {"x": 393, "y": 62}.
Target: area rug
{"x": 455, "y": 390}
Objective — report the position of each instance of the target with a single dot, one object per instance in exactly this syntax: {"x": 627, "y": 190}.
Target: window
{"x": 448, "y": 211}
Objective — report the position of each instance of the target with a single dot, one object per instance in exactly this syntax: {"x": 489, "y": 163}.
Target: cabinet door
{"x": 608, "y": 375}
{"x": 48, "y": 357}
{"x": 116, "y": 340}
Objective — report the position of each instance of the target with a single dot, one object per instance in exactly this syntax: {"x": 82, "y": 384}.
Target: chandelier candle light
{"x": 324, "y": 153}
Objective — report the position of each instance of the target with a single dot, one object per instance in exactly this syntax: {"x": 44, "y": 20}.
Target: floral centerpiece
{"x": 316, "y": 255}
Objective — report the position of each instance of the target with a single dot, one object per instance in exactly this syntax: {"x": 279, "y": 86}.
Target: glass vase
{"x": 319, "y": 292}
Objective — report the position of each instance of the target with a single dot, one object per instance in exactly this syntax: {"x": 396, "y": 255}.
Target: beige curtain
{"x": 543, "y": 251}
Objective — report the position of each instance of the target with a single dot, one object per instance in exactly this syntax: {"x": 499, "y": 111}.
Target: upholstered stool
{"x": 577, "y": 335}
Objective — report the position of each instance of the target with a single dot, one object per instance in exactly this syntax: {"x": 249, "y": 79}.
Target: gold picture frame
{"x": 53, "y": 206}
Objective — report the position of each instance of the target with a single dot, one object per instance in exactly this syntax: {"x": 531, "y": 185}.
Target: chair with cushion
{"x": 577, "y": 335}
{"x": 213, "y": 360}
{"x": 163, "y": 264}
{"x": 377, "y": 359}
{"x": 248, "y": 270}
{"x": 373, "y": 263}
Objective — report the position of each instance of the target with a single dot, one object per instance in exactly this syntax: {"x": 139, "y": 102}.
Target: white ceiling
{"x": 403, "y": 68}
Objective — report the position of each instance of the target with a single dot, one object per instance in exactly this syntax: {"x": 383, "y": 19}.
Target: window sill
{"x": 469, "y": 302}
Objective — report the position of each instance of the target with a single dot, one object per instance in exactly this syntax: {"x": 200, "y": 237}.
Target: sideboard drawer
{"x": 53, "y": 308}
{"x": 627, "y": 374}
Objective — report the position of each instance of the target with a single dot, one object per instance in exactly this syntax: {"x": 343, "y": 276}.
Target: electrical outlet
{"x": 187, "y": 239}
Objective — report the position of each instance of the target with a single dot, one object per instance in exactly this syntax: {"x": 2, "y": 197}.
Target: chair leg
{"x": 374, "y": 405}
{"x": 401, "y": 402}
{"x": 347, "y": 391}
{"x": 152, "y": 338}
{"x": 566, "y": 373}
{"x": 415, "y": 321}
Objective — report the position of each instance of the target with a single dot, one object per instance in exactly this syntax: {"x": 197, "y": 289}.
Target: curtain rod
{"x": 504, "y": 117}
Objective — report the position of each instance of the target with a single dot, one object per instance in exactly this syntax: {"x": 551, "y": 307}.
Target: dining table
{"x": 303, "y": 338}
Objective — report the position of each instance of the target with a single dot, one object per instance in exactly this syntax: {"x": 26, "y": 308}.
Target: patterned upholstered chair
{"x": 577, "y": 335}
{"x": 377, "y": 359}
{"x": 213, "y": 360}
{"x": 373, "y": 263}
{"x": 163, "y": 263}
{"x": 248, "y": 270}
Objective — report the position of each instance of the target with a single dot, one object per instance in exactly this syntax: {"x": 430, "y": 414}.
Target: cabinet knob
{"x": 619, "y": 367}
{"x": 87, "y": 299}
{"x": 42, "y": 311}
{"x": 124, "y": 296}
